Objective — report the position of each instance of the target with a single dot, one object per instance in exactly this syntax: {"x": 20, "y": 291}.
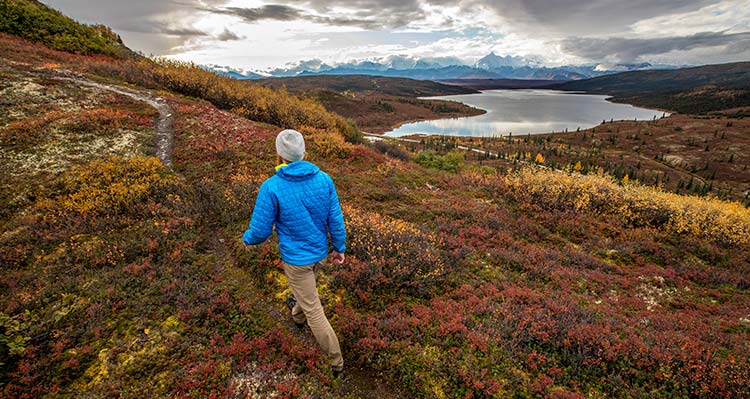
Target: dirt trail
{"x": 165, "y": 124}
{"x": 358, "y": 382}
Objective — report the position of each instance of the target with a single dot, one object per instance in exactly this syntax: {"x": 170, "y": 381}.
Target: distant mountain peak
{"x": 491, "y": 66}
{"x": 493, "y": 60}
{"x": 236, "y": 73}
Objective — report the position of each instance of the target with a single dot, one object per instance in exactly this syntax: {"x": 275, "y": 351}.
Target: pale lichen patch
{"x": 653, "y": 291}
{"x": 62, "y": 151}
{"x": 253, "y": 382}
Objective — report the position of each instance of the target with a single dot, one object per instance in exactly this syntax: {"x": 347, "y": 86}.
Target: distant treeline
{"x": 694, "y": 102}
{"x": 401, "y": 87}
{"x": 688, "y": 90}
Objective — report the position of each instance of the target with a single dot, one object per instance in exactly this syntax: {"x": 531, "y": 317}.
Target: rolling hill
{"x": 34, "y": 21}
{"x": 687, "y": 90}
{"x": 402, "y": 87}
{"x": 377, "y": 104}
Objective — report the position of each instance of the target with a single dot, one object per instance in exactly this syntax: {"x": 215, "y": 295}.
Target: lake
{"x": 522, "y": 112}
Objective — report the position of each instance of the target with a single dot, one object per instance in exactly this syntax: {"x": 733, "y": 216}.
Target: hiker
{"x": 301, "y": 201}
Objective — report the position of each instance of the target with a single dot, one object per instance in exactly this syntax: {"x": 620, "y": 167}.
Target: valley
{"x": 377, "y": 104}
{"x": 692, "y": 155}
{"x": 468, "y": 274}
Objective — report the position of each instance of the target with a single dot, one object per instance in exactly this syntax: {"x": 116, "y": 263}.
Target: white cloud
{"x": 266, "y": 33}
{"x": 618, "y": 49}
{"x": 730, "y": 16}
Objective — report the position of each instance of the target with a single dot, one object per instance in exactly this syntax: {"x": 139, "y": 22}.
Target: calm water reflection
{"x": 526, "y": 111}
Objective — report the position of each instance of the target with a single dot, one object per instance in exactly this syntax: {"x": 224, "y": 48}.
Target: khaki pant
{"x": 301, "y": 280}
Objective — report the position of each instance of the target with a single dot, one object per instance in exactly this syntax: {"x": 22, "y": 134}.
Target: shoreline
{"x": 607, "y": 98}
{"x": 382, "y": 130}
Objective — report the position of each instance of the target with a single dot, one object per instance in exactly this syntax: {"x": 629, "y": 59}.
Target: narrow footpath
{"x": 164, "y": 125}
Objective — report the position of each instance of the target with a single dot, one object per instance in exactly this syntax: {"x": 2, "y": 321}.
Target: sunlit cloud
{"x": 261, "y": 34}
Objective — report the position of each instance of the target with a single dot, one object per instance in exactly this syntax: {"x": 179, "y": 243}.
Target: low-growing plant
{"x": 326, "y": 144}
{"x": 394, "y": 255}
{"x": 29, "y": 132}
{"x": 710, "y": 218}
{"x": 244, "y": 98}
{"x": 121, "y": 276}
{"x": 391, "y": 149}
{"x": 451, "y": 162}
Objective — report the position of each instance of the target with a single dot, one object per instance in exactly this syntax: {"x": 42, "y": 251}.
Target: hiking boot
{"x": 291, "y": 302}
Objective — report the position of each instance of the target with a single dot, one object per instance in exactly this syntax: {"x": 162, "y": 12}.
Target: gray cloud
{"x": 579, "y": 17}
{"x": 378, "y": 13}
{"x": 228, "y": 35}
{"x": 584, "y": 17}
{"x": 368, "y": 15}
{"x": 272, "y": 11}
{"x": 179, "y": 31}
{"x": 160, "y": 26}
{"x": 132, "y": 15}
{"x": 629, "y": 50}
{"x": 364, "y": 8}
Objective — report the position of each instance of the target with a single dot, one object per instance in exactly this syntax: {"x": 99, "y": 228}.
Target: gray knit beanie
{"x": 290, "y": 145}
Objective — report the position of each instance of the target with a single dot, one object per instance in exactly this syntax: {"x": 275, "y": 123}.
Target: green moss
{"x": 35, "y": 21}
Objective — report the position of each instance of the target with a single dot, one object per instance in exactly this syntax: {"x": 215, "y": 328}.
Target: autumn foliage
{"x": 36, "y": 22}
{"x": 396, "y": 256}
{"x": 706, "y": 218}
{"x": 244, "y": 98}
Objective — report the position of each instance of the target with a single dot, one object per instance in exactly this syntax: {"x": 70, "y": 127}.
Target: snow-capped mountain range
{"x": 491, "y": 66}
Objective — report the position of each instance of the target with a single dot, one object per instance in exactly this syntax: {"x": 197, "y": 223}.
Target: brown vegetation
{"x": 378, "y": 104}
{"x": 700, "y": 155}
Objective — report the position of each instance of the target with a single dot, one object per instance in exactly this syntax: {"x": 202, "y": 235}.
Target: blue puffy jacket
{"x": 301, "y": 201}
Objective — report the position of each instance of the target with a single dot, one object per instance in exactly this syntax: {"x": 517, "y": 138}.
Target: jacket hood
{"x": 299, "y": 170}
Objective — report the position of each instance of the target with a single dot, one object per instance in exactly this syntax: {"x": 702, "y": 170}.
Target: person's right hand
{"x": 338, "y": 258}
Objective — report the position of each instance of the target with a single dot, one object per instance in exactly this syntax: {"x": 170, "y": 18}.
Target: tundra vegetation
{"x": 698, "y": 155}
{"x": 122, "y": 275}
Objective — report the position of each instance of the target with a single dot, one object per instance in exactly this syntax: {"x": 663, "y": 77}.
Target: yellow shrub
{"x": 245, "y": 98}
{"x": 111, "y": 183}
{"x": 326, "y": 143}
{"x": 714, "y": 219}
{"x": 397, "y": 254}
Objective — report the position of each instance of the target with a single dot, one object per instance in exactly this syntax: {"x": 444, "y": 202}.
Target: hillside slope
{"x": 377, "y": 104}
{"x": 687, "y": 90}
{"x": 122, "y": 275}
{"x": 34, "y": 21}
{"x": 365, "y": 84}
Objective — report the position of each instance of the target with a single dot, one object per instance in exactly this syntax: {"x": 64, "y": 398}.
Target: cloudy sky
{"x": 260, "y": 34}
